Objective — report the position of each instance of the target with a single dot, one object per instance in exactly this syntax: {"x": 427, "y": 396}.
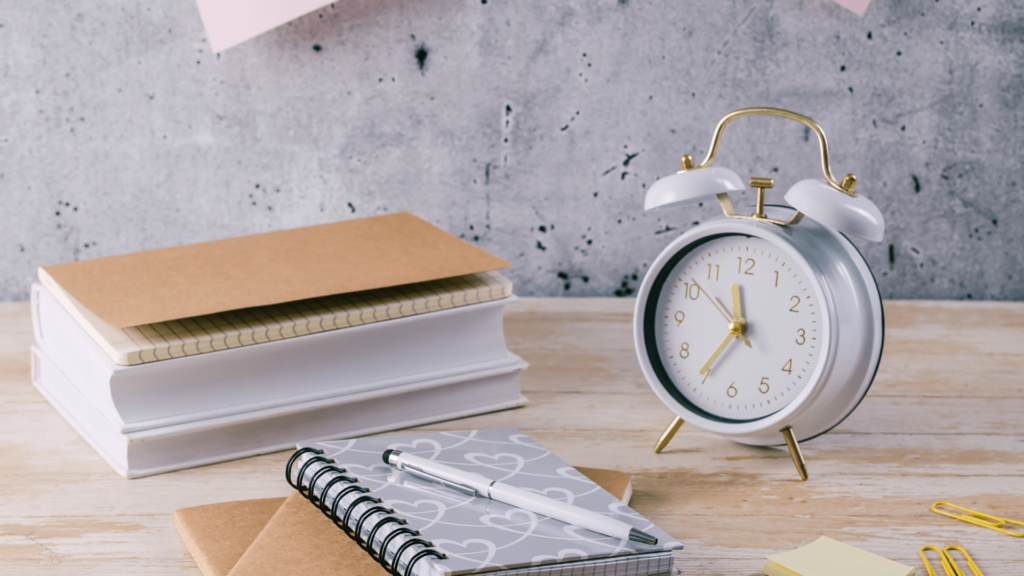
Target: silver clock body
{"x": 853, "y": 328}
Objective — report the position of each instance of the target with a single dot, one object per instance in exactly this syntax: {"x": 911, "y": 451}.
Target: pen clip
{"x": 419, "y": 473}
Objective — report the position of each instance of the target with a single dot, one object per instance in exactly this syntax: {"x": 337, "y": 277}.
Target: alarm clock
{"x": 764, "y": 328}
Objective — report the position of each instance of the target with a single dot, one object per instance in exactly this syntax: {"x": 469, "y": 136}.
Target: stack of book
{"x": 185, "y": 356}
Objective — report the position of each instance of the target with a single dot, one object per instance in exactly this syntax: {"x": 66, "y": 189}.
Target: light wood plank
{"x": 941, "y": 422}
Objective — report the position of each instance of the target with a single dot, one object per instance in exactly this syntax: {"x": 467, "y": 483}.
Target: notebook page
{"x": 203, "y": 334}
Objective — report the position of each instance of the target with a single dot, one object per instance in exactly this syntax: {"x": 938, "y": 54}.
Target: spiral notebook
{"x": 286, "y": 536}
{"x": 414, "y": 528}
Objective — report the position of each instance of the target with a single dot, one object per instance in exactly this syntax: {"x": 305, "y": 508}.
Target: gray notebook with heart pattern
{"x": 459, "y": 534}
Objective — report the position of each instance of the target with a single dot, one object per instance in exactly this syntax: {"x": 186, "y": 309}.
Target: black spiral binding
{"x": 364, "y": 544}
{"x": 302, "y": 474}
{"x": 376, "y": 527}
{"x": 401, "y": 550}
{"x": 418, "y": 555}
{"x": 375, "y": 507}
{"x": 382, "y": 555}
{"x": 348, "y": 514}
{"x": 337, "y": 499}
{"x": 310, "y": 495}
{"x": 288, "y": 467}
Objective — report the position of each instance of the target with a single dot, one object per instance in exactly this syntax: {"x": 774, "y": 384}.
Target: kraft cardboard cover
{"x": 300, "y": 541}
{"x": 616, "y": 483}
{"x": 271, "y": 268}
{"x": 220, "y": 535}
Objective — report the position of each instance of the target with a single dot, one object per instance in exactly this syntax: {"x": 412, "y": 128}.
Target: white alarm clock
{"x": 768, "y": 327}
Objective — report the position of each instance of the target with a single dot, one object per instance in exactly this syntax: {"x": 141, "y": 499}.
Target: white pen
{"x": 474, "y": 484}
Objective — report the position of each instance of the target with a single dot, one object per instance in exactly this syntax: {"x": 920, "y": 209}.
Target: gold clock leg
{"x": 666, "y": 437}
{"x": 794, "y": 452}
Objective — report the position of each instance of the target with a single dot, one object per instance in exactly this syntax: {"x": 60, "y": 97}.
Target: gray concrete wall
{"x": 530, "y": 128}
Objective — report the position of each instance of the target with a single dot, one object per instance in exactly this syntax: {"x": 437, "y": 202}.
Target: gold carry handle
{"x": 846, "y": 186}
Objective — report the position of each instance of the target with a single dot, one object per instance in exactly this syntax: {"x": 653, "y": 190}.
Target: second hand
{"x": 714, "y": 302}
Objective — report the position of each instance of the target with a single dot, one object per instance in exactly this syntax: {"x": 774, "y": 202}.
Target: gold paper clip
{"x": 979, "y": 519}
{"x": 944, "y": 560}
{"x": 970, "y": 561}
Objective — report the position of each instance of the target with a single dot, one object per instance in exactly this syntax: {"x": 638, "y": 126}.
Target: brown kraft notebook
{"x": 265, "y": 269}
{"x": 285, "y": 536}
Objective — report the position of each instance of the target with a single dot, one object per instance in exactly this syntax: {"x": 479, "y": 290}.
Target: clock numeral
{"x": 731, "y": 390}
{"x": 680, "y": 317}
{"x": 776, "y": 278}
{"x": 763, "y": 388}
{"x": 788, "y": 366}
{"x": 803, "y": 337}
{"x": 717, "y": 270}
{"x": 706, "y": 374}
{"x": 684, "y": 350}
{"x": 749, "y": 268}
{"x": 691, "y": 291}
{"x": 797, "y": 303}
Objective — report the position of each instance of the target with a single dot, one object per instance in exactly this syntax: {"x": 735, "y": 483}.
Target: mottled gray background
{"x": 531, "y": 128}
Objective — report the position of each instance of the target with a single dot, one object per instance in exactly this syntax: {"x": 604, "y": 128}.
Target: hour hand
{"x": 737, "y": 316}
{"x": 740, "y": 336}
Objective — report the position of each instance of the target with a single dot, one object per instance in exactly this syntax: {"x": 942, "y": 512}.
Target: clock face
{"x": 745, "y": 370}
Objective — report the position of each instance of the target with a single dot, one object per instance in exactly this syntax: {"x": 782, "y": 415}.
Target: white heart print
{"x": 498, "y": 462}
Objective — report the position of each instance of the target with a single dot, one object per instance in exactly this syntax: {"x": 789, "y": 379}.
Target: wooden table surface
{"x": 943, "y": 421}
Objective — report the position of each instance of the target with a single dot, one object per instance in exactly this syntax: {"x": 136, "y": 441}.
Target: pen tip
{"x": 386, "y": 455}
{"x": 642, "y": 537}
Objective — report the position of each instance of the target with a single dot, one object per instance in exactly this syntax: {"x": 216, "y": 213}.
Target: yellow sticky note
{"x": 826, "y": 557}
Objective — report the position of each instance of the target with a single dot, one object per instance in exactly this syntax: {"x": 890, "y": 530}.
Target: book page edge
{"x": 80, "y": 315}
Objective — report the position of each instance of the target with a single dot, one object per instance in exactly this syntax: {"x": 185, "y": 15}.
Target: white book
{"x": 199, "y": 442}
{"x": 375, "y": 357}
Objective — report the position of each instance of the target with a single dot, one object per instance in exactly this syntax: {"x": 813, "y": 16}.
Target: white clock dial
{"x": 784, "y": 324}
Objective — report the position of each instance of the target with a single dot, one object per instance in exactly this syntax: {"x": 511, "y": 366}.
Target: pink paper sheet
{"x": 856, "y": 6}
{"x": 231, "y": 22}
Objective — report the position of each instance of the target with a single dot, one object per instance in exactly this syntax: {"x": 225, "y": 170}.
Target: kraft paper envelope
{"x": 283, "y": 536}
{"x": 271, "y": 268}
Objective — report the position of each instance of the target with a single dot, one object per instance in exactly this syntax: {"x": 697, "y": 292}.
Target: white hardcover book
{"x": 314, "y": 367}
{"x": 199, "y": 442}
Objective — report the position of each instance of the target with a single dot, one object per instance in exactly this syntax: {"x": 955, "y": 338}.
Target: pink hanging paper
{"x": 231, "y": 22}
{"x": 856, "y": 6}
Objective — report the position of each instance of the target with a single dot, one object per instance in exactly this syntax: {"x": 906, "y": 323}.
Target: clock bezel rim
{"x": 684, "y": 244}
{"x": 881, "y": 343}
